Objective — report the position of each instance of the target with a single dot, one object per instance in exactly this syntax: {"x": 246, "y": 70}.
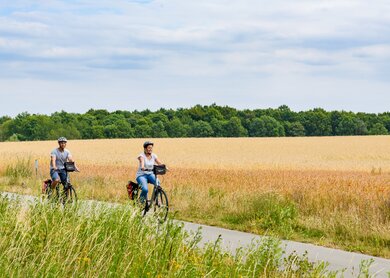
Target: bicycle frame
{"x": 153, "y": 202}
{"x": 68, "y": 189}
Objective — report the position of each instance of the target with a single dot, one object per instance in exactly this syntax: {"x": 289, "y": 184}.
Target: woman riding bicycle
{"x": 147, "y": 159}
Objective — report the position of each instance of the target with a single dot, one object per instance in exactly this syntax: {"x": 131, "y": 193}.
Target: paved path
{"x": 231, "y": 240}
{"x": 337, "y": 259}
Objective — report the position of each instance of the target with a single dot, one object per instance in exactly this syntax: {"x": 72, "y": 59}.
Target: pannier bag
{"x": 132, "y": 190}
{"x": 70, "y": 167}
{"x": 160, "y": 169}
{"x": 45, "y": 185}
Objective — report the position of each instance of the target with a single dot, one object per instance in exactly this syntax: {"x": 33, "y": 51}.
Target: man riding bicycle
{"x": 147, "y": 159}
{"x": 58, "y": 157}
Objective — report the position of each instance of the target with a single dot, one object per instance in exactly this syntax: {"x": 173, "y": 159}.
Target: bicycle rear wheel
{"x": 52, "y": 194}
{"x": 160, "y": 205}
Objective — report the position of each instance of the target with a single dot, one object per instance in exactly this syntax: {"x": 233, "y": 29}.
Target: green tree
{"x": 158, "y": 117}
{"x": 378, "y": 129}
{"x": 218, "y": 127}
{"x": 226, "y": 111}
{"x": 4, "y": 119}
{"x": 176, "y": 128}
{"x": 201, "y": 129}
{"x": 286, "y": 114}
{"x": 85, "y": 123}
{"x": 266, "y": 126}
{"x": 5, "y": 130}
{"x": 212, "y": 113}
{"x": 234, "y": 128}
{"x": 158, "y": 130}
{"x": 385, "y": 120}
{"x": 97, "y": 132}
{"x": 349, "y": 124}
{"x": 317, "y": 122}
{"x": 335, "y": 118}
{"x": 117, "y": 126}
{"x": 99, "y": 114}
{"x": 14, "y": 138}
{"x": 63, "y": 117}
{"x": 294, "y": 129}
{"x": 111, "y": 131}
{"x": 68, "y": 131}
{"x": 196, "y": 113}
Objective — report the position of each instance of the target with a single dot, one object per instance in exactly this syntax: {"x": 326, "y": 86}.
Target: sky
{"x": 128, "y": 54}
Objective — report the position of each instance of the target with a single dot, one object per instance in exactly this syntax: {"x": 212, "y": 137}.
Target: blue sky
{"x": 75, "y": 55}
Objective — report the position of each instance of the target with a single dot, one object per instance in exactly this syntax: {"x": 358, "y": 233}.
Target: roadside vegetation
{"x": 42, "y": 240}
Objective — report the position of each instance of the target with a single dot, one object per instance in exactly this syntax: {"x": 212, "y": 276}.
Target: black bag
{"x": 69, "y": 166}
{"x": 160, "y": 169}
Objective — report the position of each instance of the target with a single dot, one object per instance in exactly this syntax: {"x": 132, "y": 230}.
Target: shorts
{"x": 59, "y": 174}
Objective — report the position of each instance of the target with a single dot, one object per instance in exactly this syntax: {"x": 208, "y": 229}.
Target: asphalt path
{"x": 231, "y": 240}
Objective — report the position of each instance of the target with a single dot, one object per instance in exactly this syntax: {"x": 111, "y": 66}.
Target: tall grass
{"x": 42, "y": 241}
{"x": 270, "y": 212}
{"x": 21, "y": 168}
{"x": 295, "y": 188}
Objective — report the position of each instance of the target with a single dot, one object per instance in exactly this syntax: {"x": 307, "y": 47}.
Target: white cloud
{"x": 183, "y": 47}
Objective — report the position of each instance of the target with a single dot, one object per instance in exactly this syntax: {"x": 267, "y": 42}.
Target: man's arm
{"x": 70, "y": 159}
{"x": 53, "y": 162}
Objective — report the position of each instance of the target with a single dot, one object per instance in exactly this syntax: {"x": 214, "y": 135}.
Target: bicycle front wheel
{"x": 160, "y": 205}
{"x": 69, "y": 195}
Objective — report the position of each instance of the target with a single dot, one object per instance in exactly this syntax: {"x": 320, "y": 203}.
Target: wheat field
{"x": 310, "y": 153}
{"x": 333, "y": 191}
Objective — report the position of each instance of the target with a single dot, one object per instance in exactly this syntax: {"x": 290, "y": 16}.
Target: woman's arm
{"x": 158, "y": 161}
{"x": 141, "y": 160}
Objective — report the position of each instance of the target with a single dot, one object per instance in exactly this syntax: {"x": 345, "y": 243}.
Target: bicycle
{"x": 68, "y": 194}
{"x": 158, "y": 203}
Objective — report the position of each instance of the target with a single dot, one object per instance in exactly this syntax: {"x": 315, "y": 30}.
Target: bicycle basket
{"x": 160, "y": 169}
{"x": 69, "y": 166}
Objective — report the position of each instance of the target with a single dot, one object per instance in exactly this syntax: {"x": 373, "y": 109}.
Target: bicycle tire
{"x": 161, "y": 206}
{"x": 52, "y": 194}
{"x": 69, "y": 195}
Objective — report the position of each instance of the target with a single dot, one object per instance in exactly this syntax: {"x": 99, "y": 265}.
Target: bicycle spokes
{"x": 160, "y": 207}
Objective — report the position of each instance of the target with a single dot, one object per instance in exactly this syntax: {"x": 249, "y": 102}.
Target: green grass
{"x": 267, "y": 212}
{"x": 44, "y": 241}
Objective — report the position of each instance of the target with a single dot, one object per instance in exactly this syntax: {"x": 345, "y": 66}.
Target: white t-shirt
{"x": 61, "y": 157}
{"x": 149, "y": 163}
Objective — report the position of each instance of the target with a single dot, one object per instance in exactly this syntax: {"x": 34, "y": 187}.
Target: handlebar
{"x": 58, "y": 170}
{"x": 151, "y": 169}
{"x": 148, "y": 170}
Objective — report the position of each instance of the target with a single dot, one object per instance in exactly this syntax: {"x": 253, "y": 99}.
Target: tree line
{"x": 197, "y": 121}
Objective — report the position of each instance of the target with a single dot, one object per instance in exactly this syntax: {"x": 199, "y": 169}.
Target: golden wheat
{"x": 340, "y": 185}
{"x": 363, "y": 153}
